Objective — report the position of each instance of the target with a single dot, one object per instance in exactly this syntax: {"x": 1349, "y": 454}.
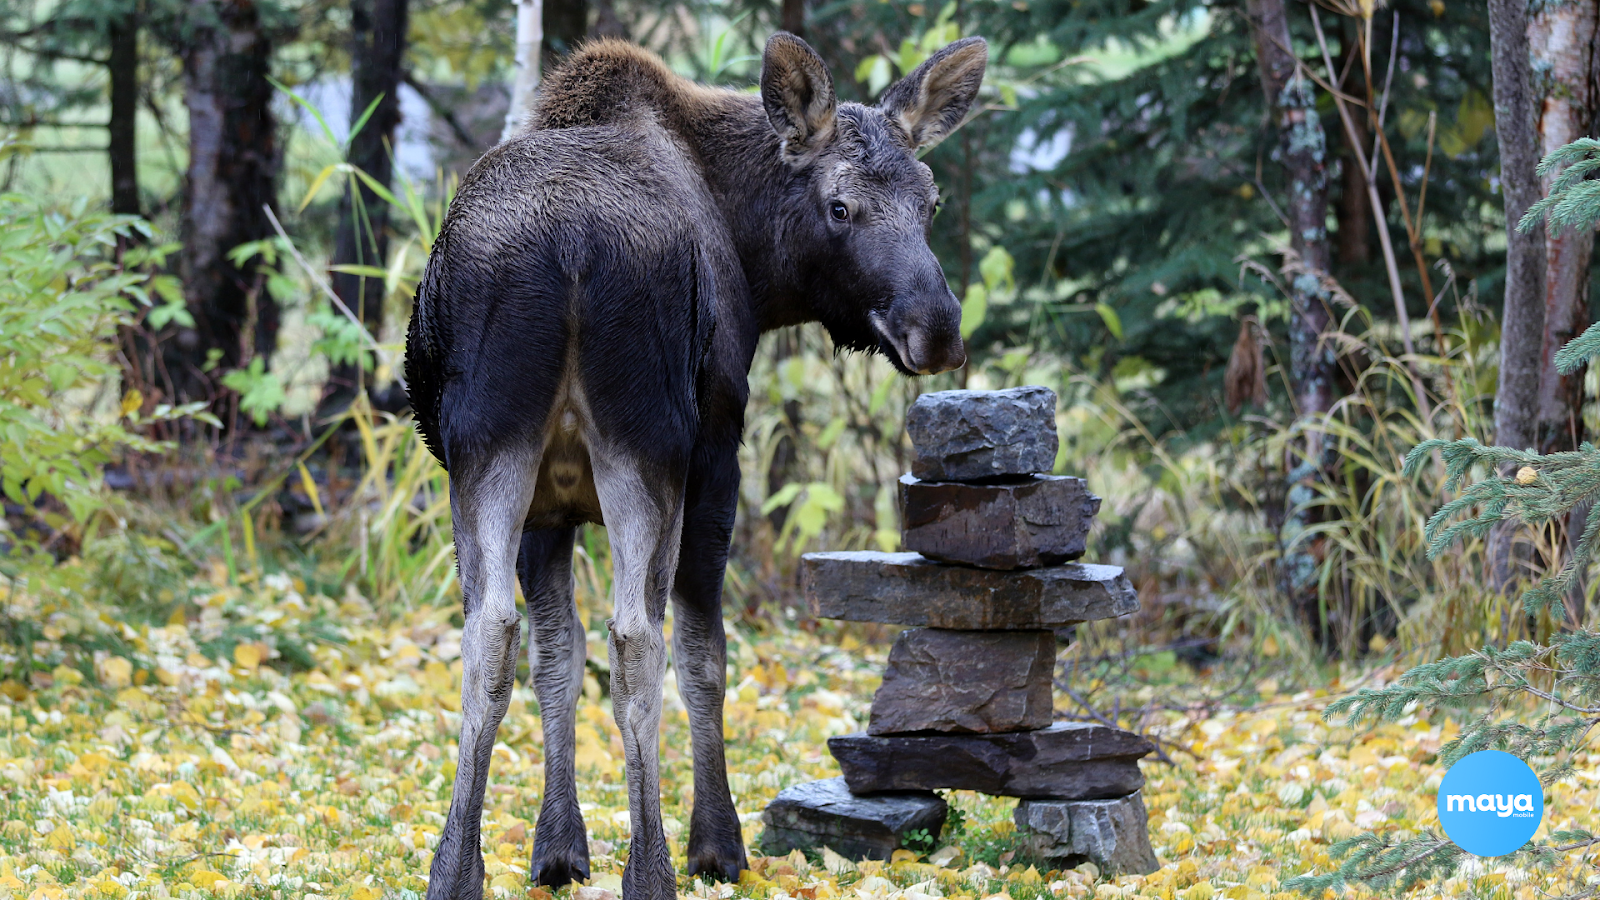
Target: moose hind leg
{"x": 488, "y": 504}
{"x": 556, "y": 645}
{"x": 700, "y": 659}
{"x": 643, "y": 513}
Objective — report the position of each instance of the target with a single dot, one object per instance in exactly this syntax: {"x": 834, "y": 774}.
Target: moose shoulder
{"x": 579, "y": 352}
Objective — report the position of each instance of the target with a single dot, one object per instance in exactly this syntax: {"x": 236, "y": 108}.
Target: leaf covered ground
{"x": 286, "y": 744}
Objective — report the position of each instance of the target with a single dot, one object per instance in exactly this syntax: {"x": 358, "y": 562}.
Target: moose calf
{"x": 580, "y": 352}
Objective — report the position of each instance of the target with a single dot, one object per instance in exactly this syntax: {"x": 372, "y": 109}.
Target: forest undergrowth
{"x": 277, "y": 737}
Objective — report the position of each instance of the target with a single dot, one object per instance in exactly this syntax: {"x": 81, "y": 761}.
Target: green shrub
{"x": 74, "y": 277}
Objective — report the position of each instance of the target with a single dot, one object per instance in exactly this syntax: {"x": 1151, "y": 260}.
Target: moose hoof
{"x": 555, "y": 866}
{"x": 722, "y": 860}
{"x": 651, "y": 879}
{"x": 456, "y": 875}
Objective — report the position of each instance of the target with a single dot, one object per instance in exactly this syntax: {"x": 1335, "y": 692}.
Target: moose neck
{"x": 739, "y": 155}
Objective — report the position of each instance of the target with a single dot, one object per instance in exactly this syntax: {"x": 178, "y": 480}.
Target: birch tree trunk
{"x": 530, "y": 32}
{"x": 1302, "y": 151}
{"x": 1516, "y": 411}
{"x": 1562, "y": 38}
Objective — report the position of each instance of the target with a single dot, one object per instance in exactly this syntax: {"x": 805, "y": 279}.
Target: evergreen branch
{"x": 1374, "y": 860}
{"x": 1544, "y": 488}
{"x": 1574, "y": 201}
{"x": 1579, "y": 350}
{"x": 1580, "y": 840}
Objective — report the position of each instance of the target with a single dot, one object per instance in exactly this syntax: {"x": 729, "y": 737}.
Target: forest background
{"x": 1260, "y": 249}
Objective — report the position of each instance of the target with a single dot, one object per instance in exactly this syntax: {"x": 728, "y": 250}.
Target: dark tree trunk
{"x": 566, "y": 24}
{"x": 1522, "y": 321}
{"x": 377, "y": 52}
{"x": 1302, "y": 149}
{"x": 234, "y": 161}
{"x": 1563, "y": 39}
{"x": 785, "y": 467}
{"x": 606, "y": 21}
{"x": 1516, "y": 410}
{"x": 793, "y": 17}
{"x": 1354, "y": 211}
{"x": 123, "y": 69}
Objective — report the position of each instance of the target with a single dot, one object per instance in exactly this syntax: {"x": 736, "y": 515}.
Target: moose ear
{"x": 797, "y": 92}
{"x": 930, "y": 102}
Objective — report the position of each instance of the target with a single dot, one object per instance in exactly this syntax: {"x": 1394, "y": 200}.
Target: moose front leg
{"x": 700, "y": 659}
{"x": 556, "y": 646}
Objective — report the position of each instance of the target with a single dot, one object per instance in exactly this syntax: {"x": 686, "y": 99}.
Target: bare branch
{"x": 426, "y": 92}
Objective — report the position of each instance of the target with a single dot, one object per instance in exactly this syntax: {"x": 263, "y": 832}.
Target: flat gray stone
{"x": 1113, "y": 834}
{"x": 907, "y": 589}
{"x": 825, "y": 814}
{"x": 1042, "y": 520}
{"x": 1068, "y": 760}
{"x": 980, "y": 682}
{"x": 983, "y": 435}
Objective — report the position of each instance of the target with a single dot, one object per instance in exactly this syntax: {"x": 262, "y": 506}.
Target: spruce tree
{"x": 1561, "y": 674}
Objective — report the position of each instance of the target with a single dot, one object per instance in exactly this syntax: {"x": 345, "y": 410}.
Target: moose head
{"x": 853, "y": 232}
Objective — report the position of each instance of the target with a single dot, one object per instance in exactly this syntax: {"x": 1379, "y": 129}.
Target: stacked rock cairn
{"x": 987, "y": 583}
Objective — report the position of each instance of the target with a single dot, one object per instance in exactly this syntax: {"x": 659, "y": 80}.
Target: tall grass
{"x": 1194, "y": 522}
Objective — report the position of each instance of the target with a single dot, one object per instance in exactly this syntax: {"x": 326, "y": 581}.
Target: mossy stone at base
{"x": 1113, "y": 834}
{"x": 825, "y": 814}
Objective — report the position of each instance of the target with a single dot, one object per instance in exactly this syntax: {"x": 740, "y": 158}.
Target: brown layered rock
{"x": 908, "y": 589}
{"x": 1040, "y": 520}
{"x": 980, "y": 682}
{"x": 1068, "y": 760}
{"x": 982, "y": 435}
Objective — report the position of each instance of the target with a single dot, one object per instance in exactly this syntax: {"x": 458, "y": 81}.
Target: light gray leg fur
{"x": 487, "y": 511}
{"x": 644, "y": 521}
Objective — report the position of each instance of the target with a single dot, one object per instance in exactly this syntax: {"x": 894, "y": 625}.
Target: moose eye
{"x": 839, "y": 211}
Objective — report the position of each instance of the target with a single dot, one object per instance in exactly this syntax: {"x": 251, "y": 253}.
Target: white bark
{"x": 1561, "y": 38}
{"x": 530, "y": 33}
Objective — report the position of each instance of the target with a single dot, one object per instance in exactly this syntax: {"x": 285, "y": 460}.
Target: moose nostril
{"x": 956, "y": 356}
{"x": 930, "y": 355}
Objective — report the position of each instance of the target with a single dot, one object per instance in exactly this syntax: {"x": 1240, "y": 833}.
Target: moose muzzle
{"x": 925, "y": 332}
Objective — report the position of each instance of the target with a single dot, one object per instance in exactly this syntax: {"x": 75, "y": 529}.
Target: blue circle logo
{"x": 1490, "y": 803}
